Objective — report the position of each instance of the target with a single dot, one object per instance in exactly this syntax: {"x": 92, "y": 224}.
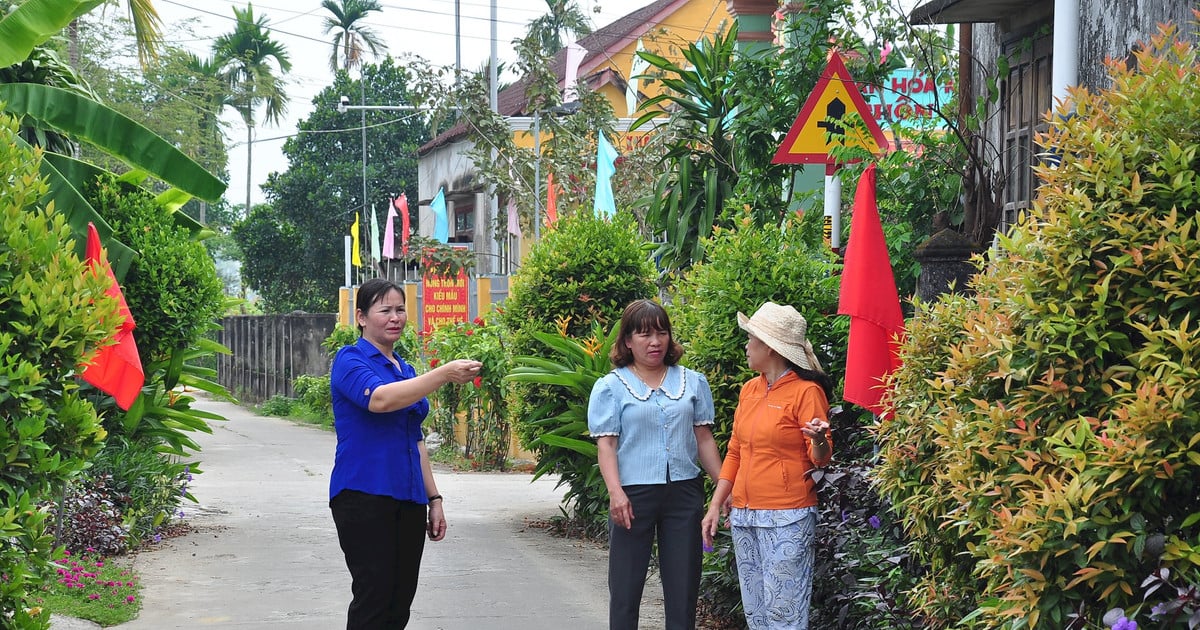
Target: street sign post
{"x": 816, "y": 131}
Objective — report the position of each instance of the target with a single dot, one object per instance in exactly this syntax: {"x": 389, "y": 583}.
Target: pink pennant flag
{"x": 389, "y": 231}
{"x": 575, "y": 55}
{"x": 514, "y": 224}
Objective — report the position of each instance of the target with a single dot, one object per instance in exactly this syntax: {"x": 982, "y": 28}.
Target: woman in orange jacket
{"x": 780, "y": 433}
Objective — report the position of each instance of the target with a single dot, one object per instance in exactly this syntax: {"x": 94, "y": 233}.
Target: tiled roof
{"x": 511, "y": 100}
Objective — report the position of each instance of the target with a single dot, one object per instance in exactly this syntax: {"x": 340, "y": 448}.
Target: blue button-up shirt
{"x": 655, "y": 429}
{"x": 376, "y": 452}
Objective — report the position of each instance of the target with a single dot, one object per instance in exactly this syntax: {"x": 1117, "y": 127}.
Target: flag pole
{"x": 833, "y": 205}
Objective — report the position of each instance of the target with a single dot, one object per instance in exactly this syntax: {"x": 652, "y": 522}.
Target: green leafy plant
{"x": 1041, "y": 449}
{"x": 688, "y": 198}
{"x": 53, "y": 313}
{"x": 482, "y": 404}
{"x": 569, "y": 368}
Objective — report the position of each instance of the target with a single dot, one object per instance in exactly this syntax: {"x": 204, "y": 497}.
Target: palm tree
{"x": 565, "y": 17}
{"x": 245, "y": 58}
{"x": 147, "y": 32}
{"x": 350, "y": 35}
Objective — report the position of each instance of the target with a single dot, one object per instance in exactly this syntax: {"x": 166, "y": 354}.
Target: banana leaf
{"x": 33, "y": 22}
{"x": 111, "y": 132}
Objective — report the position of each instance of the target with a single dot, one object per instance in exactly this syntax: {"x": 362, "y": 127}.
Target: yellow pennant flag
{"x": 355, "y": 258}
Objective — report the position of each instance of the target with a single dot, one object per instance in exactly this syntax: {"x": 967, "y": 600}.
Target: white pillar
{"x": 833, "y": 207}
{"x": 1065, "y": 69}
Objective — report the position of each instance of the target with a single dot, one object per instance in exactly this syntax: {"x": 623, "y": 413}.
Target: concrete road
{"x": 263, "y": 552}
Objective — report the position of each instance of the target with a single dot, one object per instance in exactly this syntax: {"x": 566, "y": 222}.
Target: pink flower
{"x": 130, "y": 599}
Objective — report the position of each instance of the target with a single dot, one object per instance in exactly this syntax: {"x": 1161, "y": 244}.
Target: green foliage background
{"x": 293, "y": 245}
{"x": 1043, "y": 450}
{"x": 52, "y": 313}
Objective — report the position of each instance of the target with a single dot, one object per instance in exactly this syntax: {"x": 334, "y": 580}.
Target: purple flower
{"x": 708, "y": 548}
{"x": 874, "y": 522}
{"x": 1124, "y": 623}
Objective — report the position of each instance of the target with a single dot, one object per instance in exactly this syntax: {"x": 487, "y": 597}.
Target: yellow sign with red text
{"x": 815, "y": 132}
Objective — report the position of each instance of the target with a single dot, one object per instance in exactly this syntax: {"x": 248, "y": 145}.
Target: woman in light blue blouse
{"x": 652, "y": 420}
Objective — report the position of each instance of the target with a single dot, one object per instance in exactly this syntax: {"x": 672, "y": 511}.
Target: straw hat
{"x": 782, "y": 328}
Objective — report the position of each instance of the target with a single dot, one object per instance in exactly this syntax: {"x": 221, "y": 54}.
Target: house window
{"x": 1025, "y": 96}
{"x": 464, "y": 222}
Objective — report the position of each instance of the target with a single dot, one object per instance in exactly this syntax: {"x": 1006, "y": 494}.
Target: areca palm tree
{"x": 147, "y": 32}
{"x": 565, "y": 17}
{"x": 246, "y": 58}
{"x": 351, "y": 36}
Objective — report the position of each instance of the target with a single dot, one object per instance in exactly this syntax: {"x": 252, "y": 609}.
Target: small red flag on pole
{"x": 869, "y": 297}
{"x": 402, "y": 205}
{"x": 116, "y": 369}
{"x": 551, "y": 201}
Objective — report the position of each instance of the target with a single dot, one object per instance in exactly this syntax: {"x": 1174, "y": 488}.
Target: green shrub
{"x": 570, "y": 368}
{"x": 580, "y": 275}
{"x": 1043, "y": 451}
{"x": 52, "y": 312}
{"x": 277, "y": 405}
{"x": 172, "y": 287}
{"x": 483, "y": 403}
{"x": 316, "y": 397}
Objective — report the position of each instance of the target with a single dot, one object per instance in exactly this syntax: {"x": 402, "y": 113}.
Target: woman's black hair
{"x": 643, "y": 316}
{"x": 371, "y": 291}
{"x": 818, "y": 377}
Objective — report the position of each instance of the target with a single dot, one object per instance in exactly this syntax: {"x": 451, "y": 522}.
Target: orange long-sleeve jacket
{"x": 768, "y": 457}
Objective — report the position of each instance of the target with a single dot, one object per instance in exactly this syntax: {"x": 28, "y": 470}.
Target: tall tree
{"x": 565, "y": 18}
{"x": 247, "y": 58}
{"x": 350, "y": 35}
{"x": 293, "y": 245}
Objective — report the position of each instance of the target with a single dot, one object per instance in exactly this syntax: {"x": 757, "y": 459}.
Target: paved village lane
{"x": 263, "y": 552}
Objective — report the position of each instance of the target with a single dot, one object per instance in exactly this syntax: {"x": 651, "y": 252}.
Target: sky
{"x": 423, "y": 27}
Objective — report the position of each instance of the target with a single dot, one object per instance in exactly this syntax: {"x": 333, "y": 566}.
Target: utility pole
{"x": 493, "y": 90}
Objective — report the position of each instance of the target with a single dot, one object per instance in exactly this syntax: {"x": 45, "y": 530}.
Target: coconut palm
{"x": 147, "y": 32}
{"x": 350, "y": 34}
{"x": 245, "y": 58}
{"x": 565, "y": 17}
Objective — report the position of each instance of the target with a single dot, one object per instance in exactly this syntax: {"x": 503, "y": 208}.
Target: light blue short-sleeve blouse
{"x": 656, "y": 439}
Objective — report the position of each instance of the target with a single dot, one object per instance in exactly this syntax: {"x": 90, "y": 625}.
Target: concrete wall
{"x": 270, "y": 351}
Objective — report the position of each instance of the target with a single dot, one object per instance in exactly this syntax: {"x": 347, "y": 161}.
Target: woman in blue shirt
{"x": 382, "y": 492}
{"x": 652, "y": 420}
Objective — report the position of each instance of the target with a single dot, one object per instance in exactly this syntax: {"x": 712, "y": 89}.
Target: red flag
{"x": 401, "y": 204}
{"x": 116, "y": 369}
{"x": 551, "y": 201}
{"x": 869, "y": 297}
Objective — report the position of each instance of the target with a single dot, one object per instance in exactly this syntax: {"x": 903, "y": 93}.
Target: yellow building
{"x": 607, "y": 63}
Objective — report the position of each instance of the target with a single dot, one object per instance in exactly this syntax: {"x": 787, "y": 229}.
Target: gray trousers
{"x": 669, "y": 513}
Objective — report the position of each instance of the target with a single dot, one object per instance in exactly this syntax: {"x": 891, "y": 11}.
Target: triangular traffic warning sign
{"x": 835, "y": 96}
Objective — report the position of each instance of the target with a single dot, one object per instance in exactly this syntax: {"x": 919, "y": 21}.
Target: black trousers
{"x": 382, "y": 539}
{"x": 670, "y": 513}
